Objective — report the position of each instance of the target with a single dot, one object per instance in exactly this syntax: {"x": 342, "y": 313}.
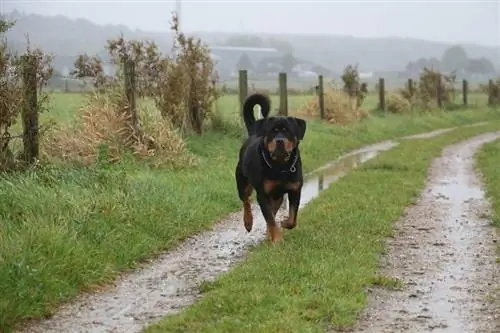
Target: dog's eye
{"x": 284, "y": 129}
{"x": 276, "y": 130}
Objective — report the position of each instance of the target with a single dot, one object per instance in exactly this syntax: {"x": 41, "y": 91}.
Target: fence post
{"x": 243, "y": 88}
{"x": 410, "y": 87}
{"x": 283, "y": 94}
{"x": 130, "y": 92}
{"x": 490, "y": 92}
{"x": 439, "y": 94}
{"x": 30, "y": 109}
{"x": 465, "y": 91}
{"x": 321, "y": 97}
{"x": 381, "y": 93}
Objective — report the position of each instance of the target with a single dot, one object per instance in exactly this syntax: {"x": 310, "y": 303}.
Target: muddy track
{"x": 171, "y": 282}
{"x": 443, "y": 251}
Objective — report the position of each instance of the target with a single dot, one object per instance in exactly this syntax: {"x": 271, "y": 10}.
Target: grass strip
{"x": 316, "y": 279}
{"x": 67, "y": 230}
{"x": 488, "y": 163}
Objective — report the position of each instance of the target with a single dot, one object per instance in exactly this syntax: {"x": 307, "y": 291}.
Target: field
{"x": 68, "y": 230}
{"x": 64, "y": 105}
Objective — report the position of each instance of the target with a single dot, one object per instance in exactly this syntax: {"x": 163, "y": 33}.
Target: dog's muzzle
{"x": 280, "y": 152}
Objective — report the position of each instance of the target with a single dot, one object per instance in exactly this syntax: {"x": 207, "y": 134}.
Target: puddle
{"x": 444, "y": 253}
{"x": 323, "y": 177}
{"x": 171, "y": 282}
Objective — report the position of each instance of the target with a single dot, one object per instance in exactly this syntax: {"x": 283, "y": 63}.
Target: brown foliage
{"x": 90, "y": 67}
{"x": 425, "y": 91}
{"x": 185, "y": 84}
{"x": 352, "y": 85}
{"x": 104, "y": 121}
{"x": 340, "y": 108}
{"x": 12, "y": 90}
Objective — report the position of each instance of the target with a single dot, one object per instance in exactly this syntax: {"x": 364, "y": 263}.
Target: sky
{"x": 448, "y": 21}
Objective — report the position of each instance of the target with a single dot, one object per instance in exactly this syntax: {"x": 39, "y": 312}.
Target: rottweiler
{"x": 269, "y": 162}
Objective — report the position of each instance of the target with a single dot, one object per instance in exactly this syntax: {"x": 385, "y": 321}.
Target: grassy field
{"x": 64, "y": 230}
{"x": 316, "y": 279}
{"x": 64, "y": 105}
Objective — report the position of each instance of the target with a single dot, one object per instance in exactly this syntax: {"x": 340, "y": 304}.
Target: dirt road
{"x": 171, "y": 282}
{"x": 444, "y": 253}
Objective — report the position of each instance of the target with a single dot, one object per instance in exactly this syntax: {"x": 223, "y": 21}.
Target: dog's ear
{"x": 300, "y": 127}
{"x": 258, "y": 127}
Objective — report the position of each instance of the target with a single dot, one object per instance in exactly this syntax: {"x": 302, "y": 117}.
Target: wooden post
{"x": 381, "y": 94}
{"x": 439, "y": 92}
{"x": 490, "y": 93}
{"x": 283, "y": 94}
{"x": 465, "y": 91}
{"x": 243, "y": 88}
{"x": 130, "y": 91}
{"x": 321, "y": 97}
{"x": 410, "y": 87}
{"x": 29, "y": 111}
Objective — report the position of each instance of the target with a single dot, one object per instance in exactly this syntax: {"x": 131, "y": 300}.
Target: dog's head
{"x": 281, "y": 135}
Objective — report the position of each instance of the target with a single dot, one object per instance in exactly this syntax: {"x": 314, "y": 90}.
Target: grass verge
{"x": 488, "y": 162}
{"x": 63, "y": 231}
{"x": 315, "y": 280}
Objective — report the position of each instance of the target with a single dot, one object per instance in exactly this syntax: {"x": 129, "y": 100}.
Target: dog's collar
{"x": 292, "y": 168}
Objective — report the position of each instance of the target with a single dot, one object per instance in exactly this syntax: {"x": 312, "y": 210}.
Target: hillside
{"x": 67, "y": 37}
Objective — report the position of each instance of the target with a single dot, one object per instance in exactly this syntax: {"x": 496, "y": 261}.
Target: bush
{"x": 103, "y": 122}
{"x": 12, "y": 94}
{"x": 398, "y": 103}
{"x": 340, "y": 108}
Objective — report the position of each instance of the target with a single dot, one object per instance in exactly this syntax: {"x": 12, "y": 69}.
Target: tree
{"x": 480, "y": 66}
{"x": 288, "y": 62}
{"x": 454, "y": 59}
{"x": 244, "y": 62}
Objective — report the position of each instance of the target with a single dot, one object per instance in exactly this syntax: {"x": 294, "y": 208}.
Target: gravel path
{"x": 171, "y": 282}
{"x": 444, "y": 252}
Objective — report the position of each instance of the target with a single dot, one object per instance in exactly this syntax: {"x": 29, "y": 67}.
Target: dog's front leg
{"x": 266, "y": 207}
{"x": 293, "y": 208}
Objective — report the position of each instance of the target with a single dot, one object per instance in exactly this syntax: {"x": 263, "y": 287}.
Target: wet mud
{"x": 443, "y": 251}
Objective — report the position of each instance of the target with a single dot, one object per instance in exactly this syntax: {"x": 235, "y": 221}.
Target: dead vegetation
{"x": 103, "y": 122}
{"x": 493, "y": 91}
{"x": 425, "y": 93}
{"x": 175, "y": 95}
{"x": 14, "y": 70}
{"x": 342, "y": 105}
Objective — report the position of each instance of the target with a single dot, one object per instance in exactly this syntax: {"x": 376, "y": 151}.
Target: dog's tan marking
{"x": 270, "y": 185}
{"x": 247, "y": 209}
{"x": 274, "y": 232}
{"x": 295, "y": 186}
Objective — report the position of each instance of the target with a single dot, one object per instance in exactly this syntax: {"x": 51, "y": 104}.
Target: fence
{"x": 320, "y": 92}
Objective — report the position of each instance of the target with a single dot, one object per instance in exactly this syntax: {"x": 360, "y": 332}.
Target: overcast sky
{"x": 450, "y": 21}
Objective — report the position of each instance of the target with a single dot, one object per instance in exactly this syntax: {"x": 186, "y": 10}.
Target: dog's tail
{"x": 249, "y": 104}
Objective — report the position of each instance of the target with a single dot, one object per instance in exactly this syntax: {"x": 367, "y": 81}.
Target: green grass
{"x": 66, "y": 230}
{"x": 64, "y": 106}
{"x": 316, "y": 279}
{"x": 488, "y": 162}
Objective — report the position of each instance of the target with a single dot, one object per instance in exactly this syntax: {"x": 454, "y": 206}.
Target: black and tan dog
{"x": 270, "y": 163}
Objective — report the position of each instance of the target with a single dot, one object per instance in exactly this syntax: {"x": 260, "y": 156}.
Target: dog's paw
{"x": 288, "y": 223}
{"x": 248, "y": 222}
